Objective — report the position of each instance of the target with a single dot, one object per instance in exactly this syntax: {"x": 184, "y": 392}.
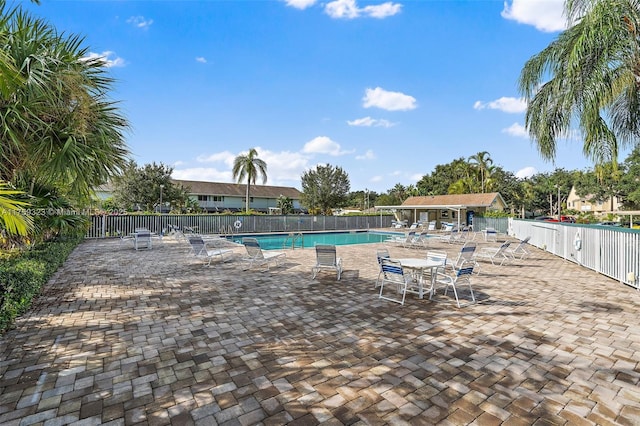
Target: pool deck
{"x": 125, "y": 337}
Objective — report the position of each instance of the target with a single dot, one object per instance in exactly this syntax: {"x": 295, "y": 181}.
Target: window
{"x": 217, "y": 198}
{"x": 244, "y": 199}
{"x": 202, "y": 198}
{"x": 444, "y": 214}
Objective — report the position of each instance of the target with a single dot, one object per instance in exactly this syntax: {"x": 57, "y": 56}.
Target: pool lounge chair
{"x": 326, "y": 258}
{"x": 494, "y": 254}
{"x": 256, "y": 256}
{"x": 200, "y": 248}
{"x": 520, "y": 251}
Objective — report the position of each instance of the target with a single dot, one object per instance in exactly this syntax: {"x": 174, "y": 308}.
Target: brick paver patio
{"x": 154, "y": 338}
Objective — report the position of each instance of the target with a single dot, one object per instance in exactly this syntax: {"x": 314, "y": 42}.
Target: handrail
{"x": 294, "y": 236}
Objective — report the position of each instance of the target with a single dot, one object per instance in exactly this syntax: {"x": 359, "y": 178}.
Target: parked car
{"x": 566, "y": 219}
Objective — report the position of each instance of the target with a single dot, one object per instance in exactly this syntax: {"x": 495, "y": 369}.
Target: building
{"x": 456, "y": 208}
{"x": 228, "y": 197}
{"x": 220, "y": 197}
{"x": 586, "y": 205}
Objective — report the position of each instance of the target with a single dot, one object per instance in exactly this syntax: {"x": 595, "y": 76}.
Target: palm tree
{"x": 594, "y": 67}
{"x": 56, "y": 121}
{"x": 12, "y": 222}
{"x": 250, "y": 167}
{"x": 484, "y": 164}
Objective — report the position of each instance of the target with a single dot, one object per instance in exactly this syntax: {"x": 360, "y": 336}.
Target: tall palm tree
{"x": 592, "y": 68}
{"x": 57, "y": 123}
{"x": 249, "y": 166}
{"x": 12, "y": 221}
{"x": 482, "y": 162}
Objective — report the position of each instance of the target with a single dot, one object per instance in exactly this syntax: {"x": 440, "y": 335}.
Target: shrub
{"x": 22, "y": 277}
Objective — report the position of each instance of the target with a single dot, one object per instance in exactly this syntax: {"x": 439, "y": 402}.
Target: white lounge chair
{"x": 200, "y": 248}
{"x": 520, "y": 251}
{"x": 466, "y": 254}
{"x": 494, "y": 254}
{"x": 402, "y": 240}
{"x": 256, "y": 256}
{"x": 326, "y": 258}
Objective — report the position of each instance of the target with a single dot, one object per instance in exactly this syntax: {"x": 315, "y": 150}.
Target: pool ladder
{"x": 292, "y": 238}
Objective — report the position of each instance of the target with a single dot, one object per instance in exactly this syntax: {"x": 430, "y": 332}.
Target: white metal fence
{"x": 113, "y": 225}
{"x": 611, "y": 251}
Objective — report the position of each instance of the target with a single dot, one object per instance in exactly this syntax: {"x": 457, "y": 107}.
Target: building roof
{"x": 451, "y": 200}
{"x": 238, "y": 189}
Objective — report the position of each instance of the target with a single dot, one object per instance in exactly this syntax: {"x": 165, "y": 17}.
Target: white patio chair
{"x": 381, "y": 254}
{"x": 326, "y": 258}
{"x": 455, "y": 279}
{"x": 200, "y": 248}
{"x": 393, "y": 276}
{"x": 429, "y": 275}
{"x": 493, "y": 254}
{"x": 520, "y": 251}
{"x": 465, "y": 255}
{"x": 256, "y": 256}
{"x": 490, "y": 234}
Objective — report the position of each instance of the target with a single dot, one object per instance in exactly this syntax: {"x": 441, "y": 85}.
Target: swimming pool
{"x": 278, "y": 241}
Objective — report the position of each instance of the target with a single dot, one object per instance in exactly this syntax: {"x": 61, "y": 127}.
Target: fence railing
{"x": 110, "y": 226}
{"x": 611, "y": 251}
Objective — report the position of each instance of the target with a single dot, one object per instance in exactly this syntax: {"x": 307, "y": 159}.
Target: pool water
{"x": 278, "y": 241}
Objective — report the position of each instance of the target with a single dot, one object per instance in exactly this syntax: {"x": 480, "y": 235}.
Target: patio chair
{"x": 200, "y": 248}
{"x": 402, "y": 240}
{"x": 520, "y": 251}
{"x": 490, "y": 234}
{"x": 326, "y": 258}
{"x": 455, "y": 279}
{"x": 381, "y": 254}
{"x": 466, "y": 254}
{"x": 256, "y": 256}
{"x": 393, "y": 275}
{"x": 429, "y": 275}
{"x": 494, "y": 254}
{"x": 142, "y": 239}
{"x": 431, "y": 226}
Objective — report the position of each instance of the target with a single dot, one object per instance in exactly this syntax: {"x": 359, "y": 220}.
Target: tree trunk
{"x": 247, "y": 200}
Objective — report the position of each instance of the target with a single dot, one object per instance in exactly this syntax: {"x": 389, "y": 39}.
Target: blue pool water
{"x": 277, "y": 241}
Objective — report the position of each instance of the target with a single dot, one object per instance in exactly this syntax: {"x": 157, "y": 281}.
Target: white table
{"x": 419, "y": 265}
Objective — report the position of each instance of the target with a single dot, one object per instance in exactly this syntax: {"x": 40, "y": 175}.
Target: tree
{"x": 629, "y": 184}
{"x": 57, "y": 125}
{"x": 483, "y": 163}
{"x": 325, "y": 187}
{"x": 593, "y": 69}
{"x": 12, "y": 221}
{"x": 285, "y": 204}
{"x": 139, "y": 187}
{"x": 249, "y": 166}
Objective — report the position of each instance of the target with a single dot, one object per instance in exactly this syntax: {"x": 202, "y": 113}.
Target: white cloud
{"x": 207, "y": 174}
{"x": 369, "y": 155}
{"x": 201, "y": 59}
{"x": 516, "y": 129}
{"x": 225, "y": 157}
{"x": 140, "y": 22}
{"x": 377, "y": 178}
{"x": 348, "y": 9}
{"x": 323, "y": 145}
{"x": 283, "y": 168}
{"x": 382, "y": 10}
{"x": 390, "y": 101}
{"x": 107, "y": 58}
{"x": 300, "y": 4}
{"x": 504, "y": 104}
{"x": 370, "y": 122}
{"x": 526, "y": 172}
{"x": 545, "y": 15}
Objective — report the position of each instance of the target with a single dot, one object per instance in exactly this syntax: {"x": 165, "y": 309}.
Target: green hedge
{"x": 22, "y": 277}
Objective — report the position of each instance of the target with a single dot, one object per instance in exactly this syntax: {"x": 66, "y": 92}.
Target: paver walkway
{"x": 154, "y": 338}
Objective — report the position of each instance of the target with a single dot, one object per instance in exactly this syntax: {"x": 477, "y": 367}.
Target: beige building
{"x": 456, "y": 208}
{"x": 585, "y": 205}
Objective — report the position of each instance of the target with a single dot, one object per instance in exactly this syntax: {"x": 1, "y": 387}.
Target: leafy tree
{"x": 443, "y": 176}
{"x": 483, "y": 164}
{"x": 139, "y": 187}
{"x": 285, "y": 204}
{"x": 249, "y": 166}
{"x": 629, "y": 183}
{"x": 57, "y": 124}
{"x": 12, "y": 221}
{"x": 593, "y": 69}
{"x": 325, "y": 187}
{"x": 600, "y": 184}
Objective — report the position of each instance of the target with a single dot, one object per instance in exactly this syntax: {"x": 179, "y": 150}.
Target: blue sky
{"x": 385, "y": 90}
